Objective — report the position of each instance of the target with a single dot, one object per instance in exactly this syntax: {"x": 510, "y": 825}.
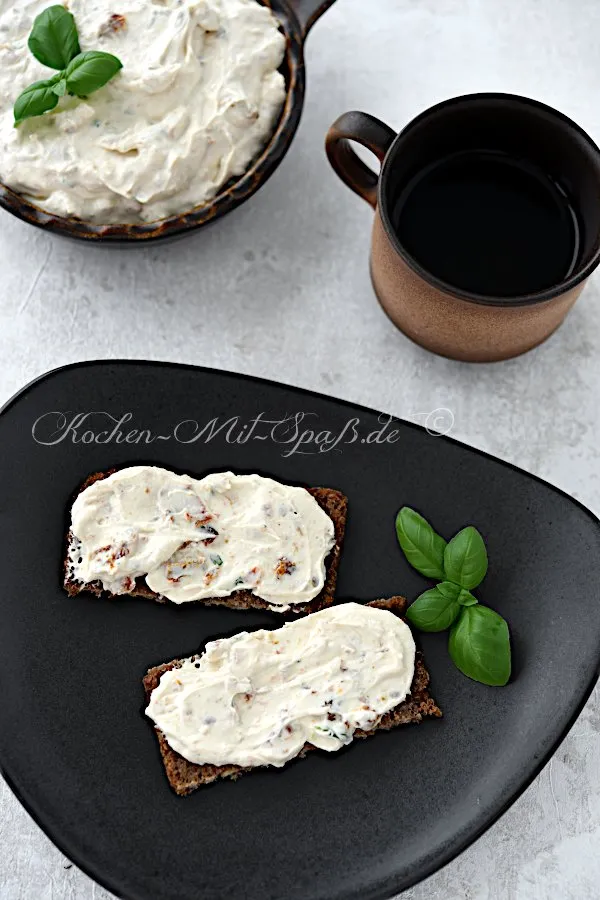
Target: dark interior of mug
{"x": 523, "y": 130}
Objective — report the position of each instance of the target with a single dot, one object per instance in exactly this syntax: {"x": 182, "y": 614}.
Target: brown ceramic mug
{"x": 448, "y": 320}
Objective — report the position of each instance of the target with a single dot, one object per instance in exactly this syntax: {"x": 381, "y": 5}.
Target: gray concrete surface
{"x": 281, "y": 289}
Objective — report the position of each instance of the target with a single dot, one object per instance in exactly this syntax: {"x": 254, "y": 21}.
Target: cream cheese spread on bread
{"x": 194, "y": 104}
{"x": 194, "y": 539}
{"x": 257, "y": 698}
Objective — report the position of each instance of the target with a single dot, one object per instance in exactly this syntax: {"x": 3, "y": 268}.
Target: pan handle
{"x": 308, "y": 11}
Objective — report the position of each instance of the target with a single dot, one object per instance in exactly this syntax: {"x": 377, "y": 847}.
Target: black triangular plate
{"x": 365, "y": 823}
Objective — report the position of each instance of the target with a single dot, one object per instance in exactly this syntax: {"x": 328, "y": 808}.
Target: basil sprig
{"x": 479, "y": 642}
{"x": 54, "y": 41}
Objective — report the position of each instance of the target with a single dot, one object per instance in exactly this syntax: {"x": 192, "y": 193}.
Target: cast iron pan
{"x": 364, "y": 823}
{"x": 296, "y": 18}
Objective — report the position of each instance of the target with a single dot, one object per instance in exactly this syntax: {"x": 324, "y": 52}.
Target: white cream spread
{"x": 256, "y": 698}
{"x": 198, "y": 538}
{"x": 194, "y": 104}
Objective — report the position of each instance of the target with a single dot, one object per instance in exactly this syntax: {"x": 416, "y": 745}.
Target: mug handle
{"x": 373, "y": 134}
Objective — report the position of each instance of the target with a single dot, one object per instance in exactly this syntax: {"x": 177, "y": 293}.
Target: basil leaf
{"x": 449, "y": 590}
{"x": 466, "y": 598}
{"x": 435, "y": 610}
{"x": 422, "y": 546}
{"x": 60, "y": 88}
{"x": 53, "y": 39}
{"x": 479, "y": 645}
{"x": 90, "y": 71}
{"x": 465, "y": 558}
{"x": 38, "y": 98}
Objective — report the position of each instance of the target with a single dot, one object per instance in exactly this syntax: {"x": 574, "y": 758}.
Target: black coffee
{"x": 488, "y": 224}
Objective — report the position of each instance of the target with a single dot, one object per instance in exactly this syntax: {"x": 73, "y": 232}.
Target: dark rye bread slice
{"x": 185, "y": 777}
{"x": 333, "y": 502}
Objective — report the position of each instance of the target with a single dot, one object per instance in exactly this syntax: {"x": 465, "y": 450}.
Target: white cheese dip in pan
{"x": 197, "y": 99}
